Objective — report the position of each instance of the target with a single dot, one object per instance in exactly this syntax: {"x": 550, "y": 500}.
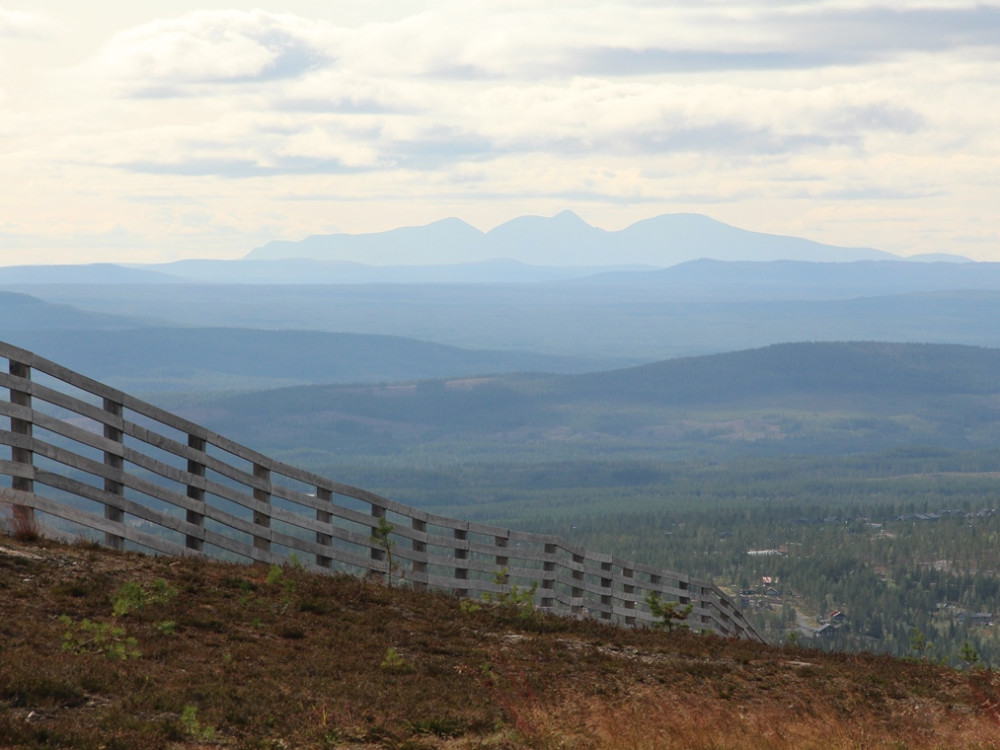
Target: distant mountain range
{"x": 563, "y": 240}
{"x": 529, "y": 249}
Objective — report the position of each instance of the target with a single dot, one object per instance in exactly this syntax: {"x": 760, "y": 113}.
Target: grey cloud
{"x": 441, "y": 145}
{"x": 295, "y": 57}
{"x": 341, "y": 105}
{"x": 240, "y": 168}
{"x": 293, "y": 60}
{"x": 590, "y": 196}
{"x": 160, "y": 92}
{"x": 569, "y": 195}
{"x": 885, "y": 29}
{"x": 873, "y": 193}
{"x": 709, "y": 197}
{"x": 719, "y": 137}
{"x": 627, "y": 62}
{"x": 730, "y": 137}
{"x": 464, "y": 73}
{"x": 290, "y": 56}
{"x": 812, "y": 40}
{"x": 882, "y": 117}
{"x": 431, "y": 151}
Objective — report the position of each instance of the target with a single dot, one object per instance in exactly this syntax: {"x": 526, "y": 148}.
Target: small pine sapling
{"x": 667, "y": 614}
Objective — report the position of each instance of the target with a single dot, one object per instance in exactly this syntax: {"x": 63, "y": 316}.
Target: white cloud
{"x": 23, "y": 24}
{"x": 215, "y": 47}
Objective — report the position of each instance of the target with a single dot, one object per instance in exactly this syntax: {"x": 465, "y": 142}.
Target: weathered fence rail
{"x": 86, "y": 459}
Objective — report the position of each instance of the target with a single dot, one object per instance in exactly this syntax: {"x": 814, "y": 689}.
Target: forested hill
{"x": 817, "y": 368}
{"x": 152, "y": 359}
{"x": 800, "y": 397}
{"x": 22, "y": 312}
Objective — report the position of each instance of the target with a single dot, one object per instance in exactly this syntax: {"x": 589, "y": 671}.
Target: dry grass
{"x": 19, "y": 522}
{"x": 235, "y": 656}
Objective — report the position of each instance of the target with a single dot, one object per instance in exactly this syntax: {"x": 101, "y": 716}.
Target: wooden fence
{"x": 86, "y": 460}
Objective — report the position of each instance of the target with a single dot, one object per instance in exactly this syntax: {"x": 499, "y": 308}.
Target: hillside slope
{"x": 210, "y": 358}
{"x": 118, "y": 650}
{"x": 22, "y": 312}
{"x": 827, "y": 368}
{"x": 802, "y": 397}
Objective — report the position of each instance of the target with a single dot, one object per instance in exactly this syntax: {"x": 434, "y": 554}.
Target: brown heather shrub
{"x": 297, "y": 660}
{"x": 19, "y": 522}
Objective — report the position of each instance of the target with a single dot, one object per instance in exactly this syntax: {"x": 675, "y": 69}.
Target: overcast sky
{"x": 151, "y": 131}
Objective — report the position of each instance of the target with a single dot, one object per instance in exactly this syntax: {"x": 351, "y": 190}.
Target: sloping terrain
{"x": 204, "y": 358}
{"x": 791, "y": 398}
{"x": 23, "y": 312}
{"x": 828, "y": 368}
{"x": 100, "y": 649}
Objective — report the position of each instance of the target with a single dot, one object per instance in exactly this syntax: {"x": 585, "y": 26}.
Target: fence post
{"x": 420, "y": 548}
{"x": 462, "y": 555}
{"x": 576, "y": 592}
{"x": 262, "y": 518}
{"x": 114, "y": 485}
{"x": 196, "y": 491}
{"x": 324, "y": 516}
{"x": 24, "y": 515}
{"x": 548, "y": 577}
{"x": 707, "y": 605}
{"x": 628, "y": 585}
{"x": 607, "y": 592}
{"x": 501, "y": 561}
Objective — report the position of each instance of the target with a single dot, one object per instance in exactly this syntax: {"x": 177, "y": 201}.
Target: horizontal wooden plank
{"x": 229, "y": 544}
{"x": 77, "y": 434}
{"x": 15, "y": 439}
{"x": 81, "y": 489}
{"x": 12, "y": 469}
{"x": 67, "y": 458}
{"x": 59, "y": 372}
{"x": 60, "y": 399}
{"x": 99, "y": 523}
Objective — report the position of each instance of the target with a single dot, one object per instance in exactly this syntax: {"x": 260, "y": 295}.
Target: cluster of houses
{"x": 935, "y": 516}
{"x": 770, "y": 592}
{"x": 770, "y": 587}
{"x": 831, "y": 624}
{"x": 984, "y": 619}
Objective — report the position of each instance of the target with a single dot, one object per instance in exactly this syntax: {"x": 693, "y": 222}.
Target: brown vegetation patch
{"x": 190, "y": 653}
